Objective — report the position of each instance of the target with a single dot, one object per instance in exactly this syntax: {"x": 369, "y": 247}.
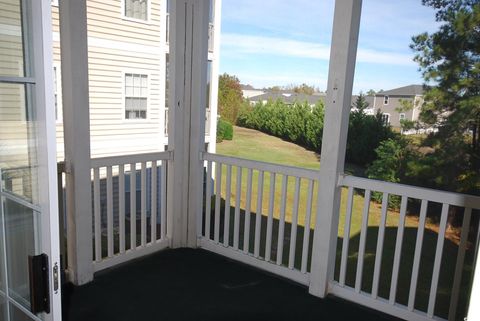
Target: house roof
{"x": 288, "y": 97}
{"x": 410, "y": 90}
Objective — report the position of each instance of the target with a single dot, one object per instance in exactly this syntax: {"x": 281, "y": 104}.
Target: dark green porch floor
{"x": 188, "y": 284}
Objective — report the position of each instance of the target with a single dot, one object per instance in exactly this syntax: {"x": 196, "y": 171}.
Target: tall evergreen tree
{"x": 449, "y": 60}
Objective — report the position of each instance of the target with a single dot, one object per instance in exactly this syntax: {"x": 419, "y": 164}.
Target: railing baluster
{"x": 271, "y": 203}
{"x": 246, "y": 232}
{"x": 121, "y": 207}
{"x": 143, "y": 203}
{"x": 281, "y": 227}
{"x": 379, "y": 251}
{"x": 417, "y": 255}
{"x": 133, "y": 207}
{"x": 258, "y": 215}
{"x": 153, "y": 204}
{"x": 226, "y": 223}
{"x": 363, "y": 241}
{"x": 208, "y": 200}
{"x": 346, "y": 237}
{"x": 163, "y": 200}
{"x": 438, "y": 261}
{"x": 218, "y": 192}
{"x": 306, "y": 230}
{"x": 97, "y": 215}
{"x": 452, "y": 312}
{"x": 109, "y": 211}
{"x": 293, "y": 231}
{"x": 238, "y": 196}
{"x": 398, "y": 250}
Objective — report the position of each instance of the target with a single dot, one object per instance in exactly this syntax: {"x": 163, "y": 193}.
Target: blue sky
{"x": 281, "y": 42}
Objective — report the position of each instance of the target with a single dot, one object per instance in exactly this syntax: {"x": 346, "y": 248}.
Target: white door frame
{"x": 39, "y": 54}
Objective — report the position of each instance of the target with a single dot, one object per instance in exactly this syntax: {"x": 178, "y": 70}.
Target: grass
{"x": 254, "y": 145}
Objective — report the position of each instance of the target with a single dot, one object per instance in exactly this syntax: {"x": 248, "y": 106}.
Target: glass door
{"x": 27, "y": 161}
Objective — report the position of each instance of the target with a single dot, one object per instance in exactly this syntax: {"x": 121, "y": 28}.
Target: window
{"x": 386, "y": 119}
{"x": 136, "y": 9}
{"x": 385, "y": 100}
{"x": 136, "y": 93}
{"x": 402, "y": 116}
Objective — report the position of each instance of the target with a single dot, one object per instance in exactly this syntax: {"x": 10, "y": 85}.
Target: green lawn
{"x": 255, "y": 145}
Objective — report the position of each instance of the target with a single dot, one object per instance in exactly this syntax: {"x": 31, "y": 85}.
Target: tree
{"x": 361, "y": 103}
{"x": 371, "y": 92}
{"x": 450, "y": 59}
{"x": 230, "y": 97}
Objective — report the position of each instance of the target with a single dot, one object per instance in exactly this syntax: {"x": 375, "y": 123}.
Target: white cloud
{"x": 237, "y": 44}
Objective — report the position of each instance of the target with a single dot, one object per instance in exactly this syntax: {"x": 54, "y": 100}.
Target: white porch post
{"x": 76, "y": 126}
{"x": 189, "y": 49}
{"x": 339, "y": 94}
{"x": 474, "y": 308}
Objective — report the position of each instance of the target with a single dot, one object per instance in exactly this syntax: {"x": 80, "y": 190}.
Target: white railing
{"x": 405, "y": 281}
{"x": 129, "y": 207}
{"x": 409, "y": 266}
{"x": 275, "y": 238}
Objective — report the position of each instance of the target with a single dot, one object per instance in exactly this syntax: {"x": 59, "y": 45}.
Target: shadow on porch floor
{"x": 188, "y": 284}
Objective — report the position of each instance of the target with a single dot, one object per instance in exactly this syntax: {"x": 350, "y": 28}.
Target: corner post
{"x": 76, "y": 126}
{"x": 343, "y": 54}
{"x": 189, "y": 56}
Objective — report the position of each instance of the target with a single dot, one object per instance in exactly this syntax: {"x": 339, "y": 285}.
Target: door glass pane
{"x": 3, "y": 307}
{"x": 18, "y": 162}
{"x": 20, "y": 236}
{"x": 11, "y": 40}
{"x": 17, "y": 315}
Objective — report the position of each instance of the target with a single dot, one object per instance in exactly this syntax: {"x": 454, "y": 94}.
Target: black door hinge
{"x": 39, "y": 283}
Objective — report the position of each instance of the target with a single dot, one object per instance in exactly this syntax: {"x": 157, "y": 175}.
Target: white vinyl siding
{"x": 136, "y": 96}
{"x": 136, "y": 9}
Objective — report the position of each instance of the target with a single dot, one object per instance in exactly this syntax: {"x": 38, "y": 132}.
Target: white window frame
{"x": 124, "y": 96}
{"x": 386, "y": 99}
{"x": 149, "y": 11}
{"x": 386, "y": 115}
{"x": 402, "y": 116}
{"x": 57, "y": 72}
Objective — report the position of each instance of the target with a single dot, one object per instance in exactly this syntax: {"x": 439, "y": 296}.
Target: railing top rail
{"x": 263, "y": 166}
{"x": 432, "y": 195}
{"x": 128, "y": 159}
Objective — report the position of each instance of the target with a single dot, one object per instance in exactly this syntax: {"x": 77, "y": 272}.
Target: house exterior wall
{"x": 394, "y": 102}
{"x": 120, "y": 45}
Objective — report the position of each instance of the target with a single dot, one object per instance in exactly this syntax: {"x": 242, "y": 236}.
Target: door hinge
{"x": 39, "y": 283}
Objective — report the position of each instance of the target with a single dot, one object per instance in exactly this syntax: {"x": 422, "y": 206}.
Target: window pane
{"x": 129, "y": 91}
{"x": 142, "y": 104}
{"x": 20, "y": 243}
{"x": 128, "y": 80}
{"x": 11, "y": 40}
{"x": 17, "y": 130}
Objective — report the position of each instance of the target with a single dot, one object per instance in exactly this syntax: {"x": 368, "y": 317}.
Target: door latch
{"x": 39, "y": 283}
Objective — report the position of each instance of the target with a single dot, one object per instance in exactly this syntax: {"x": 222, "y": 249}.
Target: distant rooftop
{"x": 411, "y": 90}
{"x": 288, "y": 97}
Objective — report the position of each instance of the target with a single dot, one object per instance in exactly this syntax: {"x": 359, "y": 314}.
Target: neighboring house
{"x": 288, "y": 97}
{"x": 128, "y": 56}
{"x": 249, "y": 91}
{"x": 388, "y": 102}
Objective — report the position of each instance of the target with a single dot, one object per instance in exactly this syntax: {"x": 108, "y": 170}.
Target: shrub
{"x": 224, "y": 130}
